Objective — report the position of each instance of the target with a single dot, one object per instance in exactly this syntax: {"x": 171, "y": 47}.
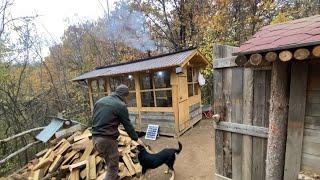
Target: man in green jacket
{"x": 108, "y": 113}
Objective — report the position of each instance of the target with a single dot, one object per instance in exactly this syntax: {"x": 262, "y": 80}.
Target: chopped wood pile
{"x": 74, "y": 158}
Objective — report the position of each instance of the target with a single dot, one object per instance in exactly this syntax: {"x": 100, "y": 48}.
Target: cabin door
{"x": 183, "y": 102}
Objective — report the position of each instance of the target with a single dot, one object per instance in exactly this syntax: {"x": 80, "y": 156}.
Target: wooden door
{"x": 183, "y": 102}
{"x": 241, "y": 98}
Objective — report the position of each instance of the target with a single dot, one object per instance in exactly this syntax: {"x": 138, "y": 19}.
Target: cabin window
{"x": 98, "y": 89}
{"x": 129, "y": 81}
{"x": 193, "y": 83}
{"x": 156, "y": 89}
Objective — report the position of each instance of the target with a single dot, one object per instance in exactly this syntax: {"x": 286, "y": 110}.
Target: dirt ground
{"x": 196, "y": 159}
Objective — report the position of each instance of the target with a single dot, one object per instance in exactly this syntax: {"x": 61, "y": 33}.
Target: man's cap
{"x": 122, "y": 90}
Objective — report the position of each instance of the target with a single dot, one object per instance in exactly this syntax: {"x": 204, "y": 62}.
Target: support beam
{"x": 90, "y": 94}
{"x": 277, "y": 121}
{"x": 296, "y": 116}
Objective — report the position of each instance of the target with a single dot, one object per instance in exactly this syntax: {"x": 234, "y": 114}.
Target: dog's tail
{"x": 180, "y": 148}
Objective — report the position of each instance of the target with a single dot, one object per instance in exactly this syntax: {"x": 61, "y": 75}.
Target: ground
{"x": 196, "y": 160}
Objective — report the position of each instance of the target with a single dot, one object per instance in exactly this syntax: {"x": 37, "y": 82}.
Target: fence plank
{"x": 247, "y": 119}
{"x": 218, "y": 102}
{"x": 225, "y": 62}
{"x": 244, "y": 129}
{"x": 236, "y": 99}
{"x": 259, "y": 110}
{"x": 296, "y": 116}
{"x": 226, "y": 86}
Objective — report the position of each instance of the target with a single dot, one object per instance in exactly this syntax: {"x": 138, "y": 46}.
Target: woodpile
{"x": 74, "y": 158}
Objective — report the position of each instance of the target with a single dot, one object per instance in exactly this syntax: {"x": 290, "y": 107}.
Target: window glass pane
{"x": 162, "y": 79}
{"x": 146, "y": 81}
{"x": 147, "y": 99}
{"x": 164, "y": 98}
{"x": 114, "y": 82}
{"x": 131, "y": 100}
{"x": 101, "y": 86}
{"x": 196, "y": 88}
{"x": 94, "y": 86}
{"x": 195, "y": 75}
{"x": 190, "y": 90}
{"x": 129, "y": 81}
{"x": 189, "y": 74}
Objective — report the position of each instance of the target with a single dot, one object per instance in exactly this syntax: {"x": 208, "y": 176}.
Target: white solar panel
{"x": 152, "y": 132}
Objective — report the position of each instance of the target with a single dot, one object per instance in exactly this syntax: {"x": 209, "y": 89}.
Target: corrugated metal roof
{"x": 162, "y": 61}
{"x": 292, "y": 34}
{"x": 49, "y": 130}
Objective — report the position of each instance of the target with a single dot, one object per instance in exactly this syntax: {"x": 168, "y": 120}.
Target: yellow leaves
{"x": 281, "y": 18}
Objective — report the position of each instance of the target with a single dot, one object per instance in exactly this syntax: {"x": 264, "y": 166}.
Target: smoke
{"x": 128, "y": 26}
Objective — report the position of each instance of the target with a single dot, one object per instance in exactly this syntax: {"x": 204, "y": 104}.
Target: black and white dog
{"x": 151, "y": 161}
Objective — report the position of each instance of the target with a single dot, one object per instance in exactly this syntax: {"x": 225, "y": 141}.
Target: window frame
{"x": 122, "y": 81}
{"x": 194, "y": 81}
{"x": 154, "y": 89}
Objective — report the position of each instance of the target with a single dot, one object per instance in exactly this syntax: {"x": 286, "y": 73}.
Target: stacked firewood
{"x": 75, "y": 158}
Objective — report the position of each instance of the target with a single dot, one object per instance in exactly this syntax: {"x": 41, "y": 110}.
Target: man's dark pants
{"x": 108, "y": 149}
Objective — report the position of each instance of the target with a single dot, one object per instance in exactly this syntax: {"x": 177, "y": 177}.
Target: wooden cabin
{"x": 164, "y": 90}
{"x": 267, "y": 93}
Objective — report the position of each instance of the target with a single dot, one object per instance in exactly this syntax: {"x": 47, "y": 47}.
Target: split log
{"x": 87, "y": 152}
{"x": 86, "y": 133}
{"x": 241, "y": 60}
{"x": 285, "y": 55}
{"x": 92, "y": 165}
{"x": 277, "y": 121}
{"x": 301, "y": 54}
{"x": 21, "y": 134}
{"x": 18, "y": 152}
{"x": 255, "y": 59}
{"x": 271, "y": 56}
{"x": 68, "y": 132}
{"x": 316, "y": 51}
{"x": 56, "y": 163}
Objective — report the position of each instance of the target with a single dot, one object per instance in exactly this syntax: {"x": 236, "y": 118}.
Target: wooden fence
{"x": 241, "y": 98}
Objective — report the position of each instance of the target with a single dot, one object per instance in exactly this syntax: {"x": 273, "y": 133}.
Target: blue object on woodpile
{"x": 50, "y": 130}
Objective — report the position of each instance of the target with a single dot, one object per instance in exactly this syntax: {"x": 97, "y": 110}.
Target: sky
{"x": 55, "y": 15}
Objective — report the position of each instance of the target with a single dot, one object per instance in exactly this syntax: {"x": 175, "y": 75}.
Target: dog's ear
{"x": 140, "y": 148}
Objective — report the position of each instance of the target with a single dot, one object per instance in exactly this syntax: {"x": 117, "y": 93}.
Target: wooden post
{"x": 90, "y": 94}
{"x": 247, "y": 119}
{"x": 175, "y": 101}
{"x": 138, "y": 99}
{"x": 277, "y": 121}
{"x": 296, "y": 116}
